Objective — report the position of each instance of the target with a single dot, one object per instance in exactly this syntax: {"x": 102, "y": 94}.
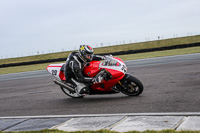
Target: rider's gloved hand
{"x": 106, "y": 56}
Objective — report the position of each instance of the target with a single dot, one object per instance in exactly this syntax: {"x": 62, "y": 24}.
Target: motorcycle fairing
{"x": 115, "y": 66}
{"x": 106, "y": 85}
{"x": 93, "y": 69}
{"x": 54, "y": 69}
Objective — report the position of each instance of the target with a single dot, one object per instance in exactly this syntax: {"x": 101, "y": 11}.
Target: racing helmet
{"x": 85, "y": 53}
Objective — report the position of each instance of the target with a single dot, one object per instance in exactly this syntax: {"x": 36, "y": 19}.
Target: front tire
{"x": 130, "y": 86}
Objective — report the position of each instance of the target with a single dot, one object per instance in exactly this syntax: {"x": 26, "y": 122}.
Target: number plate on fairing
{"x": 54, "y": 69}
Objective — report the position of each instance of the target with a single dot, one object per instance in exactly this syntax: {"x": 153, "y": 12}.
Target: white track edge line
{"x": 105, "y": 115}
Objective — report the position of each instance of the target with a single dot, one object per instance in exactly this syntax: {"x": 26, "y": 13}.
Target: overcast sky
{"x": 31, "y": 26}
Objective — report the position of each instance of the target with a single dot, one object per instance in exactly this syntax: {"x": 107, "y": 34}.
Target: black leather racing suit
{"x": 74, "y": 67}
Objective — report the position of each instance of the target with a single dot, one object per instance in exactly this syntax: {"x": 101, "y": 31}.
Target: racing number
{"x": 54, "y": 72}
{"x": 124, "y": 68}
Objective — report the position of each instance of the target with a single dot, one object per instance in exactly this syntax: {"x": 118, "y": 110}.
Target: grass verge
{"x": 161, "y": 53}
{"x": 110, "y": 49}
{"x": 124, "y": 57}
{"x": 104, "y": 131}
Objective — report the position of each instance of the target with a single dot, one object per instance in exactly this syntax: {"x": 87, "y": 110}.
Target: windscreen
{"x": 110, "y": 62}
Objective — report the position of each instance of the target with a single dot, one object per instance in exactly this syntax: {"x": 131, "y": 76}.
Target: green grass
{"x": 161, "y": 53}
{"x": 124, "y": 57}
{"x": 26, "y": 68}
{"x": 124, "y": 47}
{"x": 104, "y": 131}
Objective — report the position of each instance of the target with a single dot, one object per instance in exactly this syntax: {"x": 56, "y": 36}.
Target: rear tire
{"x": 71, "y": 94}
{"x": 130, "y": 86}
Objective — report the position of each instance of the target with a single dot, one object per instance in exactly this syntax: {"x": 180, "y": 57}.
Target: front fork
{"x": 120, "y": 82}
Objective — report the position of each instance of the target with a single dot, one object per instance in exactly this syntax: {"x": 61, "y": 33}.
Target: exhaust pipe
{"x": 60, "y": 83}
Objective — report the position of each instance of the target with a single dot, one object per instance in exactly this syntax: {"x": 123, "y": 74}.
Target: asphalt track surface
{"x": 171, "y": 84}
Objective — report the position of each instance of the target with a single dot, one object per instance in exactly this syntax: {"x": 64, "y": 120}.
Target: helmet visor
{"x": 88, "y": 56}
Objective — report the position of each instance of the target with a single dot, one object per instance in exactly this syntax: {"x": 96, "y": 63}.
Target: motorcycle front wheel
{"x": 130, "y": 86}
{"x": 71, "y": 94}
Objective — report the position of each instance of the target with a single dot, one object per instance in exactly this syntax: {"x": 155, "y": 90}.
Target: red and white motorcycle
{"x": 113, "y": 71}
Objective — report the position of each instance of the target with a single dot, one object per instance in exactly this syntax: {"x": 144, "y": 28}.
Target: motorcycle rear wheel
{"x": 130, "y": 86}
{"x": 70, "y": 94}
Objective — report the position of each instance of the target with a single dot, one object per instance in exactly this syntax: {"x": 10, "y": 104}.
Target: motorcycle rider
{"x": 74, "y": 66}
